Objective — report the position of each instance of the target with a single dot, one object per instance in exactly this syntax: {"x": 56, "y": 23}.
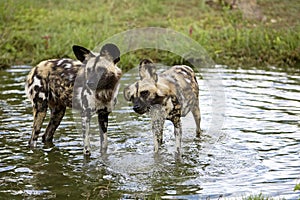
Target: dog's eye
{"x": 144, "y": 93}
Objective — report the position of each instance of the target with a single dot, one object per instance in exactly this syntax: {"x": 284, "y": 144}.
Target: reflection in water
{"x": 258, "y": 151}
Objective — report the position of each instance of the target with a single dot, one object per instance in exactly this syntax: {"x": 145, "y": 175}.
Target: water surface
{"x": 257, "y": 153}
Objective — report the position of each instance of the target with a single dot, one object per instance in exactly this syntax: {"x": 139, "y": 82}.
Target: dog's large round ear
{"x": 147, "y": 69}
{"x": 111, "y": 51}
{"x": 146, "y": 61}
{"x": 127, "y": 93}
{"x": 80, "y": 52}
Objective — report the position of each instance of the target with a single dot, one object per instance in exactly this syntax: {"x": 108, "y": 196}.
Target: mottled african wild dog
{"x": 90, "y": 85}
{"x": 169, "y": 95}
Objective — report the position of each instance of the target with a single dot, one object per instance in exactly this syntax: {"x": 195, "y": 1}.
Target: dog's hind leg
{"x": 103, "y": 124}
{"x": 178, "y": 135}
{"x": 175, "y": 118}
{"x": 57, "y": 113}
{"x": 197, "y": 117}
{"x": 39, "y": 113}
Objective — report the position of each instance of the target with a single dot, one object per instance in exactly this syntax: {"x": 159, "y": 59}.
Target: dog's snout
{"x": 136, "y": 108}
{"x": 140, "y": 107}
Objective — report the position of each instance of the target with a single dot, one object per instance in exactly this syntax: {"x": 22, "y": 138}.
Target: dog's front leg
{"x": 157, "y": 129}
{"x": 85, "y": 121}
{"x": 157, "y": 120}
{"x": 103, "y": 123}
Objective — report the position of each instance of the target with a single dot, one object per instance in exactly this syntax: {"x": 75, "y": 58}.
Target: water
{"x": 258, "y": 152}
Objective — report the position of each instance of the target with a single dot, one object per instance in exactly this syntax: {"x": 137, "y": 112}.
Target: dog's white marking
{"x": 71, "y": 77}
{"x": 68, "y": 66}
{"x": 36, "y": 82}
{"x": 60, "y": 62}
{"x": 187, "y": 80}
{"x": 42, "y": 95}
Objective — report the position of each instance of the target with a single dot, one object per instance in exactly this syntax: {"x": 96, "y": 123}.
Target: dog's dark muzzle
{"x": 102, "y": 81}
{"x": 140, "y": 107}
{"x": 139, "y": 110}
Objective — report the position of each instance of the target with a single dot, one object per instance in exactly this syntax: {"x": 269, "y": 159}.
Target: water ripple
{"x": 258, "y": 151}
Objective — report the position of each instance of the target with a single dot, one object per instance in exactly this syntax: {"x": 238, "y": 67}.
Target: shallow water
{"x": 258, "y": 150}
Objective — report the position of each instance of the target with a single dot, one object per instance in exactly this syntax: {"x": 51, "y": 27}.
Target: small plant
{"x": 297, "y": 187}
{"x": 257, "y": 197}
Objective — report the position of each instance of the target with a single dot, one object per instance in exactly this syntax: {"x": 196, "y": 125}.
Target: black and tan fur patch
{"x": 169, "y": 95}
{"x": 89, "y": 84}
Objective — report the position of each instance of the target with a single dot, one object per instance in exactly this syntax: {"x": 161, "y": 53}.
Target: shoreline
{"x": 267, "y": 35}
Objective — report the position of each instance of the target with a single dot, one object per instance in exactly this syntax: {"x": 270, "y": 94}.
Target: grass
{"x": 33, "y": 30}
{"x": 257, "y": 197}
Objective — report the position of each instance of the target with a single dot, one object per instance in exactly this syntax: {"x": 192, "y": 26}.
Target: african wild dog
{"x": 169, "y": 95}
{"x": 90, "y": 85}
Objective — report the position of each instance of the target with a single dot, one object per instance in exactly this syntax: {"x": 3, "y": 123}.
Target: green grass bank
{"x": 256, "y": 33}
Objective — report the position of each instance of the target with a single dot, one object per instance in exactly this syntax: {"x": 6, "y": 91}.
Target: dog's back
{"x": 184, "y": 80}
{"x": 53, "y": 80}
